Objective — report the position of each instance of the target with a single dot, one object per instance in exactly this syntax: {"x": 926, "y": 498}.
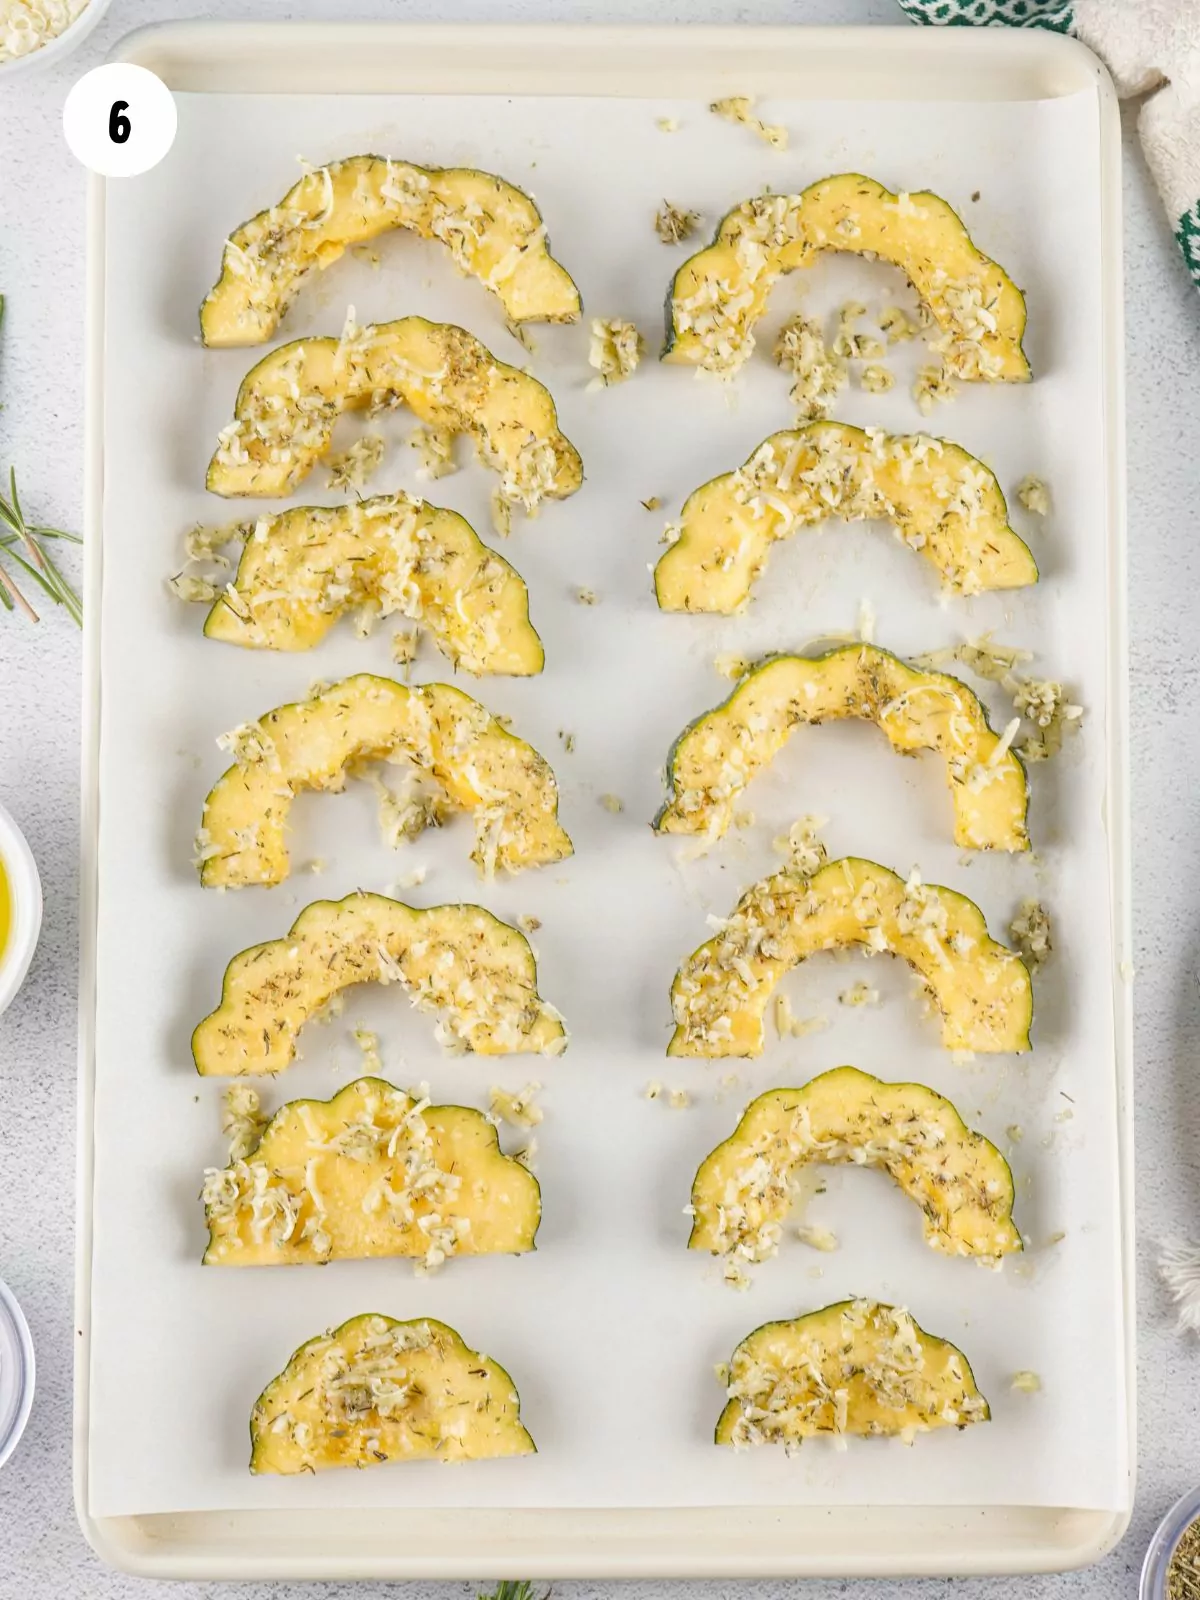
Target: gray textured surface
{"x": 41, "y": 430}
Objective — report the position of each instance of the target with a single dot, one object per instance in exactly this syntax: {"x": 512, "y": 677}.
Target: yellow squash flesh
{"x": 857, "y": 1367}
{"x": 720, "y": 995}
{"x": 303, "y": 569}
{"x": 377, "y": 1390}
{"x": 506, "y": 786}
{"x": 493, "y": 231}
{"x": 287, "y": 406}
{"x": 743, "y": 1191}
{"x": 372, "y": 1172}
{"x": 727, "y": 748}
{"x": 941, "y": 501}
{"x": 475, "y": 972}
{"x": 719, "y": 294}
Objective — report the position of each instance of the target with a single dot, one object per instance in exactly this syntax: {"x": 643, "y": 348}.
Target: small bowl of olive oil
{"x": 20, "y": 908}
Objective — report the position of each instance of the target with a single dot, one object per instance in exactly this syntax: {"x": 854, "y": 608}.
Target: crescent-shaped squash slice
{"x": 720, "y": 293}
{"x": 303, "y": 569}
{"x": 372, "y": 1172}
{"x": 287, "y": 406}
{"x": 493, "y": 231}
{"x": 720, "y": 994}
{"x": 476, "y": 972}
{"x": 743, "y": 1191}
{"x": 451, "y": 739}
{"x": 942, "y": 502}
{"x": 857, "y": 1367}
{"x": 377, "y": 1390}
{"x": 724, "y": 750}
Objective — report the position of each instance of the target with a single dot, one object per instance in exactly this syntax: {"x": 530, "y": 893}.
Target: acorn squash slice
{"x": 724, "y": 750}
{"x": 372, "y": 1172}
{"x": 857, "y": 1367}
{"x": 981, "y": 988}
{"x": 743, "y": 1191}
{"x": 493, "y": 231}
{"x": 378, "y": 1390}
{"x": 476, "y": 972}
{"x": 303, "y": 569}
{"x": 449, "y": 738}
{"x": 941, "y": 501}
{"x": 719, "y": 294}
{"x": 287, "y": 406}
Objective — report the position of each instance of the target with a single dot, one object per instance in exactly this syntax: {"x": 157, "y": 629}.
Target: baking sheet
{"x": 611, "y": 1300}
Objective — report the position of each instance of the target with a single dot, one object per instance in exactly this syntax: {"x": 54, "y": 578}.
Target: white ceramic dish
{"x": 654, "y": 1534}
{"x": 26, "y": 891}
{"x": 58, "y": 49}
{"x": 17, "y": 1373}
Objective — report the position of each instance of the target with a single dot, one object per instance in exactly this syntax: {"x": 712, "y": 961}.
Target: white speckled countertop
{"x": 41, "y": 430}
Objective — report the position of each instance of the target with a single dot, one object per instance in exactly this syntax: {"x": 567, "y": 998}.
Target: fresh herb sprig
{"x": 21, "y": 546}
{"x": 513, "y": 1589}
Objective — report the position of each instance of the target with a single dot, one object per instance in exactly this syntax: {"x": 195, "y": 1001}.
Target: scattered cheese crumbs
{"x": 735, "y": 1275}
{"x": 1044, "y": 703}
{"x": 352, "y": 468}
{"x": 789, "y": 1026}
{"x": 527, "y": 1155}
{"x": 586, "y": 597}
{"x": 932, "y": 385}
{"x": 196, "y": 591}
{"x": 406, "y": 812}
{"x": 404, "y": 646}
{"x": 896, "y": 325}
{"x": 518, "y": 1110}
{"x": 739, "y": 108}
{"x": 876, "y": 379}
{"x": 615, "y": 350}
{"x": 818, "y": 374}
{"x": 984, "y": 657}
{"x": 678, "y": 1099}
{"x": 804, "y": 850}
{"x": 316, "y": 865}
{"x": 413, "y": 879}
{"x": 242, "y": 1120}
{"x": 435, "y": 446}
{"x": 866, "y": 621}
{"x": 368, "y": 1043}
{"x": 1015, "y": 1132}
{"x": 652, "y": 503}
{"x": 612, "y": 803}
{"x": 1026, "y": 1382}
{"x": 811, "y": 1233}
{"x": 849, "y": 343}
{"x": 732, "y": 666}
{"x": 28, "y": 25}
{"x": 1064, "y": 1115}
{"x": 653, "y": 1091}
{"x": 1030, "y": 931}
{"x": 501, "y": 508}
{"x": 667, "y": 124}
{"x": 673, "y": 224}
{"x": 1034, "y": 496}
{"x": 859, "y": 994}
{"x": 529, "y": 924}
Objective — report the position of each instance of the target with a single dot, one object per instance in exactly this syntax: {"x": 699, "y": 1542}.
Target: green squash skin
{"x": 432, "y": 1322}
{"x": 838, "y": 1305}
{"x": 458, "y": 905}
{"x": 824, "y": 1077}
{"x": 379, "y": 1083}
{"x": 371, "y": 156}
{"x": 671, "y": 331}
{"x": 782, "y": 655}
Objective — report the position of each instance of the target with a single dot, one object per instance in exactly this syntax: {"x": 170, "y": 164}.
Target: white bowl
{"x": 25, "y": 892}
{"x": 16, "y": 1372}
{"x": 57, "y": 49}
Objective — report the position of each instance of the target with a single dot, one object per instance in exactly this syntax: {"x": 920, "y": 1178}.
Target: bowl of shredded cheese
{"x": 36, "y": 33}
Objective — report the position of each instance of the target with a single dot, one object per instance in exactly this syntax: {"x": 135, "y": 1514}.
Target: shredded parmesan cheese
{"x": 518, "y": 1110}
{"x": 615, "y": 351}
{"x": 673, "y": 225}
{"x": 1034, "y": 496}
{"x": 739, "y": 108}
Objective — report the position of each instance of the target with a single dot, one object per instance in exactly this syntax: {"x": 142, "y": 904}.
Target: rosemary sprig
{"x": 512, "y": 1589}
{"x": 20, "y": 544}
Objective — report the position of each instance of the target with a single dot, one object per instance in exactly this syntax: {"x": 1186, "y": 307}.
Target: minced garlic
{"x": 817, "y": 1237}
{"x": 242, "y": 1120}
{"x": 678, "y": 1099}
{"x": 1030, "y": 932}
{"x": 818, "y": 373}
{"x": 196, "y": 591}
{"x": 732, "y": 666}
{"x": 518, "y": 1110}
{"x": 653, "y": 1091}
{"x": 859, "y": 994}
{"x": 586, "y": 597}
{"x": 739, "y": 108}
{"x": 849, "y": 343}
{"x": 804, "y": 850}
{"x": 876, "y": 379}
{"x": 316, "y": 866}
{"x": 1034, "y": 496}
{"x": 352, "y": 468}
{"x": 368, "y": 1043}
{"x": 667, "y": 124}
{"x": 1015, "y": 1132}
{"x": 866, "y": 621}
{"x": 404, "y": 646}
{"x": 1044, "y": 703}
{"x": 896, "y": 325}
{"x": 933, "y": 385}
{"x": 789, "y": 1026}
{"x": 615, "y": 350}
{"x": 528, "y": 924}
{"x": 673, "y": 225}
{"x": 435, "y": 447}
{"x": 612, "y": 803}
{"x": 1026, "y": 1382}
{"x": 652, "y": 503}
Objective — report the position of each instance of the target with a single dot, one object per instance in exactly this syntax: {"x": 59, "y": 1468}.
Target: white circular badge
{"x": 120, "y": 120}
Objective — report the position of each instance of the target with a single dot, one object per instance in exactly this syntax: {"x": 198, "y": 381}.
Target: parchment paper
{"x": 612, "y": 1329}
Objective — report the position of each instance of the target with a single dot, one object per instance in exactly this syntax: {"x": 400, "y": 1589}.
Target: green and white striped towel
{"x": 1152, "y": 48}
